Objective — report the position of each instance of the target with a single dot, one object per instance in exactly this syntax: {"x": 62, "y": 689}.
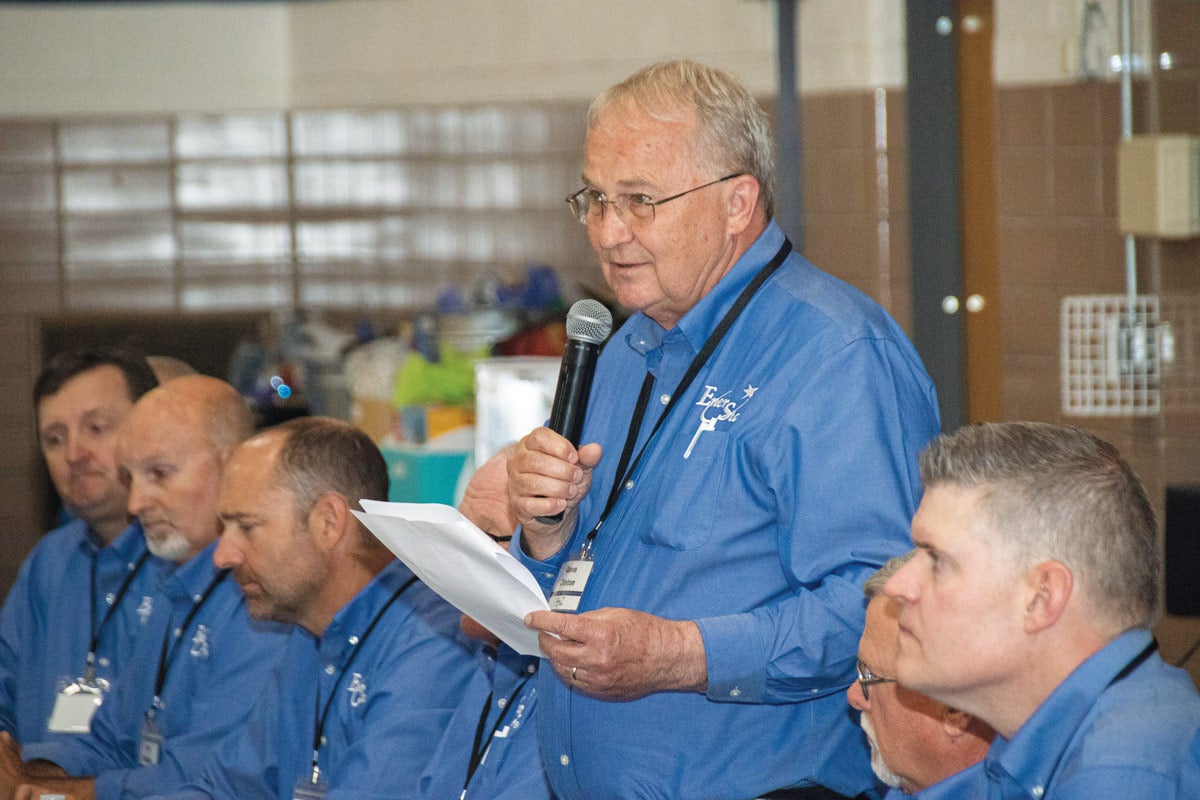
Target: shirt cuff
{"x": 110, "y": 784}
{"x": 736, "y": 658}
{"x": 545, "y": 572}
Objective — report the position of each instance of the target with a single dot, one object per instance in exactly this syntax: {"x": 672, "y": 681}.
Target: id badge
{"x": 308, "y": 789}
{"x": 150, "y": 742}
{"x": 568, "y": 588}
{"x": 74, "y": 707}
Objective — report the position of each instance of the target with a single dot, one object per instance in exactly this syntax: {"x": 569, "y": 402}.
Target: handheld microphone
{"x": 588, "y": 324}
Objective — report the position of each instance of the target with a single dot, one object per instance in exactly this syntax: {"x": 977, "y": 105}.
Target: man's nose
{"x": 226, "y": 555}
{"x": 856, "y": 698}
{"x": 610, "y": 230}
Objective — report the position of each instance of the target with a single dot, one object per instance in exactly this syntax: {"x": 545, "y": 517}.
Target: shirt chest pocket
{"x": 685, "y": 492}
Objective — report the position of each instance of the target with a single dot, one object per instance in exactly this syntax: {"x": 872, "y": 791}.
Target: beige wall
{"x": 142, "y": 58}
{"x": 136, "y": 58}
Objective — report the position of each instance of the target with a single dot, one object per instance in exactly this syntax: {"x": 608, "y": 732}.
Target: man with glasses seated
{"x": 923, "y": 748}
{"x": 748, "y": 459}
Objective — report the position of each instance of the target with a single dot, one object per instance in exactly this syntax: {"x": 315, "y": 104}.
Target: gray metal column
{"x": 789, "y": 206}
{"x": 933, "y": 191}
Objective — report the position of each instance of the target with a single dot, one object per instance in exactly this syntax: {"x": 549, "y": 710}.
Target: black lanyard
{"x": 165, "y": 659}
{"x": 319, "y": 720}
{"x": 480, "y": 746}
{"x": 635, "y": 424}
{"x": 89, "y": 674}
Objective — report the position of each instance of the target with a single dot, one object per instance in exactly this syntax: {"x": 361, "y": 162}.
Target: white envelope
{"x": 462, "y": 564}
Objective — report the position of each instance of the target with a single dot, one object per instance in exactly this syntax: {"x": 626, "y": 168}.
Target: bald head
{"x": 174, "y": 445}
{"x": 167, "y": 368}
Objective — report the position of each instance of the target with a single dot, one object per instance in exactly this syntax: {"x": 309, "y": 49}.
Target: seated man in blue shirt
{"x": 186, "y": 685}
{"x": 1030, "y": 605}
{"x": 375, "y": 664}
{"x": 922, "y": 748}
{"x": 496, "y": 714}
{"x": 82, "y": 596}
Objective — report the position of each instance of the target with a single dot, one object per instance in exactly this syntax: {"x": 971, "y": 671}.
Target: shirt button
{"x": 564, "y": 760}
{"x": 516, "y": 724}
{"x": 530, "y": 668}
{"x": 502, "y": 702}
{"x": 664, "y": 399}
{"x": 178, "y": 632}
{"x": 628, "y": 484}
{"x": 130, "y": 565}
{"x": 1038, "y": 791}
{"x": 548, "y": 574}
{"x": 353, "y": 640}
{"x": 196, "y": 598}
{"x": 108, "y": 598}
{"x": 329, "y": 669}
{"x": 104, "y": 662}
{"x": 735, "y": 692}
{"x": 324, "y": 739}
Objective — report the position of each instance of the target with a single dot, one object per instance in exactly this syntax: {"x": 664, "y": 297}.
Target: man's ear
{"x": 327, "y": 521}
{"x": 1049, "y": 586}
{"x": 742, "y": 202}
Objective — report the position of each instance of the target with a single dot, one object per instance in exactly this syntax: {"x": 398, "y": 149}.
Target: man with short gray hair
{"x": 1029, "y": 606}
{"x": 716, "y": 523}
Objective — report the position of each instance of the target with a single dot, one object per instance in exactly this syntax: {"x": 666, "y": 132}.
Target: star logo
{"x": 749, "y": 391}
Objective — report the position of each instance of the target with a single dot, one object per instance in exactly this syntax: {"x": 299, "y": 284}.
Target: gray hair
{"x": 320, "y": 455}
{"x": 1052, "y": 492}
{"x": 874, "y": 584}
{"x": 732, "y": 133}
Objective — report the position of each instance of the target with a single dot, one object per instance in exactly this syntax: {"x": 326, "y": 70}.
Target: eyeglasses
{"x": 587, "y": 205}
{"x": 867, "y": 679}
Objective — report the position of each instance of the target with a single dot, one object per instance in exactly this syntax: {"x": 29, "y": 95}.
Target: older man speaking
{"x": 759, "y": 422}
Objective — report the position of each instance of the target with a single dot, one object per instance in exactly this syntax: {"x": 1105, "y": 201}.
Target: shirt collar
{"x": 1031, "y": 756}
{"x": 127, "y": 542}
{"x": 351, "y": 620}
{"x": 644, "y": 334}
{"x": 194, "y": 576}
{"x": 130, "y": 543}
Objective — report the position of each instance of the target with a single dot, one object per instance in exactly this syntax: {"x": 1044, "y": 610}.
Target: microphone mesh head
{"x": 589, "y": 321}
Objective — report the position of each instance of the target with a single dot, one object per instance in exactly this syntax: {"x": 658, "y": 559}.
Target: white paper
{"x": 463, "y": 565}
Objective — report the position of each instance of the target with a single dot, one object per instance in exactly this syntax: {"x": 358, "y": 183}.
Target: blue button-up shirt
{"x": 783, "y": 478}
{"x": 1121, "y": 725}
{"x": 49, "y": 618}
{"x": 387, "y": 717}
{"x": 223, "y": 658}
{"x": 969, "y": 784}
{"x": 511, "y": 767}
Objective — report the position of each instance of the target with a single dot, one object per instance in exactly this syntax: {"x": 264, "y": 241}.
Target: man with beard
{"x": 920, "y": 747}
{"x": 375, "y": 662}
{"x": 82, "y": 596}
{"x": 202, "y": 656}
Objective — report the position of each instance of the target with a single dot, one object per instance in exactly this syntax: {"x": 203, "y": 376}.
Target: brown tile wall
{"x": 1057, "y": 233}
{"x": 1058, "y": 236}
{"x": 856, "y": 193}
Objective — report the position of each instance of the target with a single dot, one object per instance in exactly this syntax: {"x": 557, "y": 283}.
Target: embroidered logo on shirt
{"x": 200, "y": 642}
{"x": 716, "y": 408}
{"x": 357, "y": 690}
{"x": 145, "y": 609}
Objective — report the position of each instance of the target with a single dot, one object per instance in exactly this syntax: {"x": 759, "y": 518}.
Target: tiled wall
{"x": 1058, "y": 236}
